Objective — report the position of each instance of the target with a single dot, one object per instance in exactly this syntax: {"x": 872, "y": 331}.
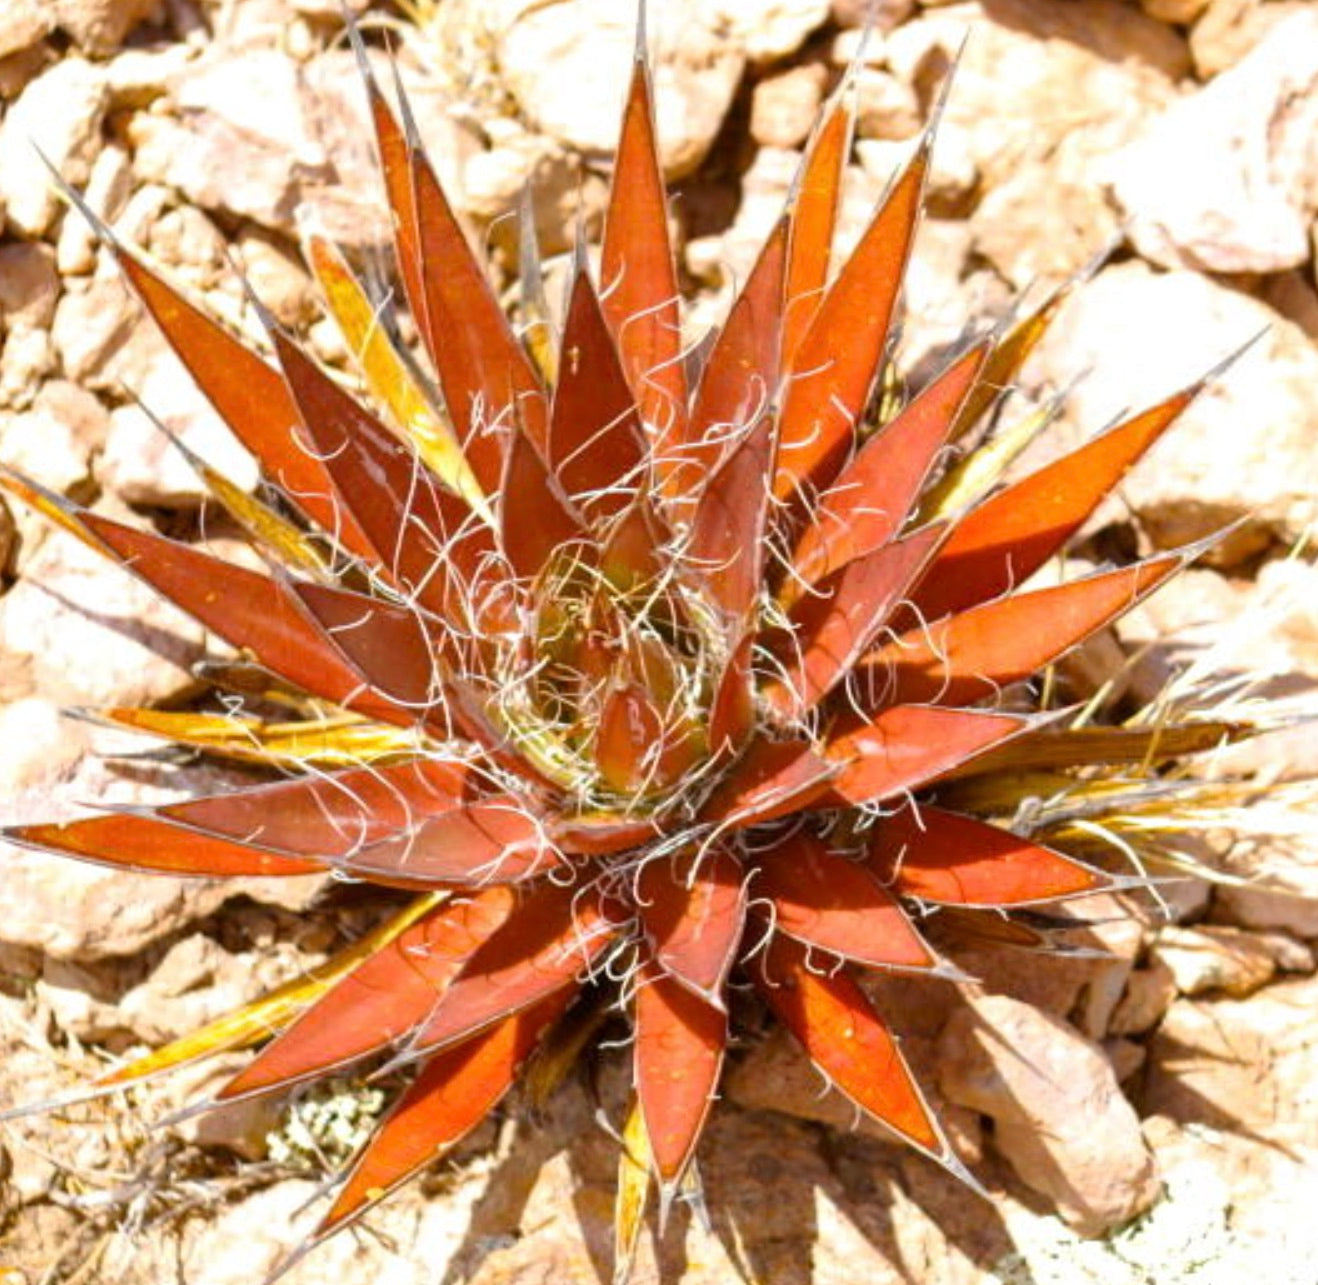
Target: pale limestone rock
{"x": 1090, "y": 68}
{"x": 1058, "y": 1115}
{"x": 1240, "y": 1064}
{"x": 40, "y": 746}
{"x": 935, "y": 293}
{"x": 785, "y": 106}
{"x": 764, "y": 187}
{"x": 139, "y": 463}
{"x": 349, "y": 206}
{"x": 886, "y": 14}
{"x": 1290, "y": 955}
{"x": 135, "y": 78}
{"x": 776, "y": 1076}
{"x": 277, "y": 275}
{"x": 72, "y": 910}
{"x": 1044, "y": 92}
{"x": 564, "y": 194}
{"x": 330, "y": 10}
{"x": 1226, "y": 180}
{"x": 1210, "y": 958}
{"x": 1149, "y": 993}
{"x": 108, "y": 188}
{"x": 1289, "y": 902}
{"x": 23, "y": 23}
{"x": 99, "y": 26}
{"x": 1293, "y": 296}
{"x": 416, "y": 1238}
{"x": 344, "y": 124}
{"x": 60, "y": 113}
{"x": 38, "y": 445}
{"x": 29, "y": 288}
{"x": 1121, "y": 936}
{"x": 197, "y": 980}
{"x": 953, "y": 172}
{"x": 886, "y": 107}
{"x": 141, "y": 466}
{"x": 78, "y": 410}
{"x": 8, "y": 538}
{"x": 1243, "y": 450}
{"x": 1239, "y": 1203}
{"x": 27, "y": 358}
{"x": 853, "y": 47}
{"x": 81, "y": 1000}
{"x": 242, "y": 1127}
{"x": 568, "y": 67}
{"x": 1047, "y": 220}
{"x": 247, "y": 142}
{"x": 1187, "y": 900}
{"x": 17, "y": 71}
{"x": 91, "y": 328}
{"x": 1268, "y": 628}
{"x": 1125, "y": 1056}
{"x": 788, "y": 1212}
{"x": 326, "y": 342}
{"x": 92, "y": 634}
{"x": 1178, "y": 11}
{"x": 1228, "y": 29}
{"x": 143, "y": 209}
{"x": 29, "y": 285}
{"x": 769, "y": 29}
{"x": 186, "y": 240}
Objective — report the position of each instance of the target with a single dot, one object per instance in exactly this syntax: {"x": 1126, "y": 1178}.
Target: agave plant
{"x": 643, "y": 672}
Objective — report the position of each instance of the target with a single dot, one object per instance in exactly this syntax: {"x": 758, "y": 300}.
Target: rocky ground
{"x": 1148, "y": 1117}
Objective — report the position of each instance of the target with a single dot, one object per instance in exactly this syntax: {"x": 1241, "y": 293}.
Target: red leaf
{"x": 827, "y": 900}
{"x": 771, "y": 779}
{"x": 495, "y": 840}
{"x": 547, "y": 944}
{"x": 389, "y": 645}
{"x": 966, "y": 657}
{"x": 847, "y": 1040}
{"x": 732, "y": 713}
{"x": 251, "y": 398}
{"x": 873, "y": 496}
{"x": 483, "y": 370}
{"x": 908, "y": 746}
{"x": 636, "y": 750}
{"x": 418, "y": 529}
{"x": 600, "y": 834}
{"x": 740, "y": 379}
{"x": 834, "y": 625}
{"x": 383, "y": 999}
{"x": 329, "y": 815}
{"x": 454, "y": 1092}
{"x": 629, "y": 727}
{"x": 839, "y": 357}
{"x": 942, "y": 856}
{"x": 534, "y": 518}
{"x": 136, "y": 841}
{"x": 813, "y": 218}
{"x": 693, "y": 908}
{"x": 726, "y": 544}
{"x": 596, "y": 444}
{"x": 1005, "y": 540}
{"x": 639, "y": 279}
{"x": 247, "y": 610}
{"x": 680, "y": 1040}
{"x": 632, "y": 553}
{"x": 395, "y": 158}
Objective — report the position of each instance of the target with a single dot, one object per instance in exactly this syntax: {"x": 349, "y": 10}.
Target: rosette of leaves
{"x": 641, "y": 672}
